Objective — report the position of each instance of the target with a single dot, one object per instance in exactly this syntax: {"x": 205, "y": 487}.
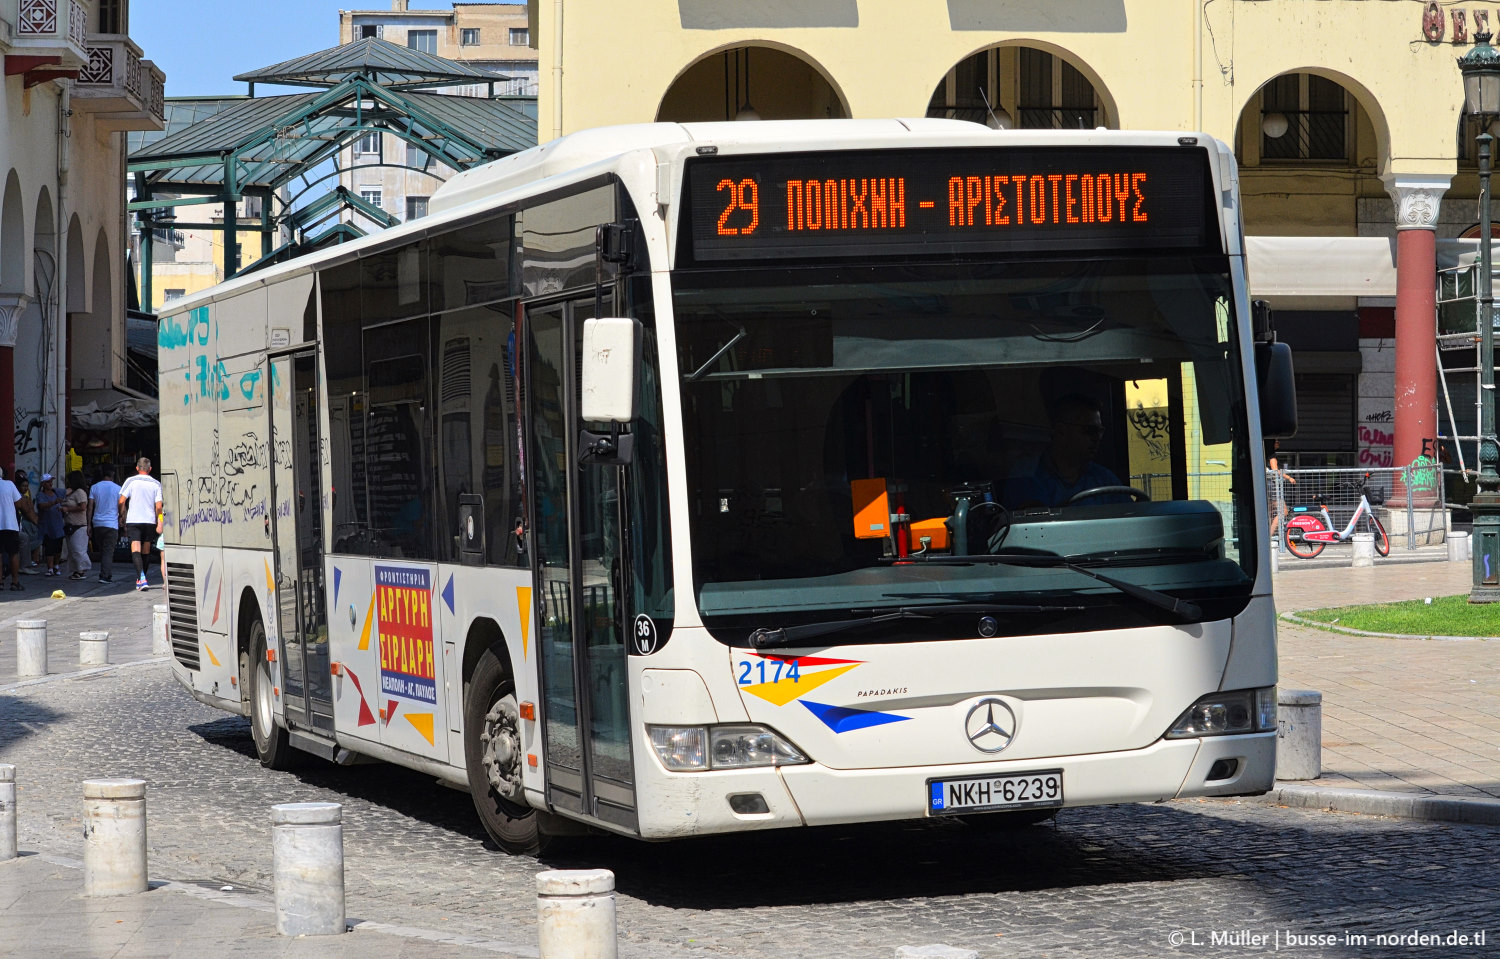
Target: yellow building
{"x": 74, "y": 84}
{"x": 1345, "y": 116}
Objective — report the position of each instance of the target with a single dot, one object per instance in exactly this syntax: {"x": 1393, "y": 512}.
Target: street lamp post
{"x": 1481, "y": 71}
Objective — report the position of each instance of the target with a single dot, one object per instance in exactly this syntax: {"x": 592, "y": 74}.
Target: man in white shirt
{"x": 10, "y": 532}
{"x": 104, "y": 520}
{"x": 140, "y": 501}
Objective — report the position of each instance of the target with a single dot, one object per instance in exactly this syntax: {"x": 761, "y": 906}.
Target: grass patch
{"x": 1445, "y": 616}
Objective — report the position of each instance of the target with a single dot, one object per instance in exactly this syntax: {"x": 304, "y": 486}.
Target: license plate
{"x": 1031, "y": 790}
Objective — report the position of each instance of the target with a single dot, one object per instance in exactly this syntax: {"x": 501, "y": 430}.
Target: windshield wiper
{"x": 789, "y": 635}
{"x": 1186, "y": 609}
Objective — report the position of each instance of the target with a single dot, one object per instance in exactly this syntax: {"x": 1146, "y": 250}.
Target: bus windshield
{"x": 1025, "y": 436}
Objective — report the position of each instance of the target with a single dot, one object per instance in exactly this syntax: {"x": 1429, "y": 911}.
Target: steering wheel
{"x": 1131, "y": 491}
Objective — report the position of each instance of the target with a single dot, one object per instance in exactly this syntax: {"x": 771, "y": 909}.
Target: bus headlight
{"x": 740, "y": 747}
{"x": 1228, "y": 714}
{"x": 696, "y": 748}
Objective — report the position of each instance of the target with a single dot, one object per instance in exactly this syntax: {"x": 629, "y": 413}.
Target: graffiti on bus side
{"x": 225, "y": 492}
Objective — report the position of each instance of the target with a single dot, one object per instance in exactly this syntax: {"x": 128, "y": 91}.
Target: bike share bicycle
{"x": 1309, "y": 529}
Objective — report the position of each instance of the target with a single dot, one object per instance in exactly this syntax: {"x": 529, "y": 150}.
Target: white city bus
{"x": 685, "y": 479}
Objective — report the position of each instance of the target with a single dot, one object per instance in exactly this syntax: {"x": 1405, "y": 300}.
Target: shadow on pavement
{"x": 20, "y": 718}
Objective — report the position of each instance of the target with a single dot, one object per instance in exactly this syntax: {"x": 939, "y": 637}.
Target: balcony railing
{"x": 50, "y": 28}
{"x": 123, "y": 90}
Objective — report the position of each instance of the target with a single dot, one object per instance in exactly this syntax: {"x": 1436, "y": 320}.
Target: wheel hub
{"x": 501, "y": 742}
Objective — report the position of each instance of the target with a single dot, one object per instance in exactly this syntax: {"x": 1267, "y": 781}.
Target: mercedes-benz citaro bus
{"x": 678, "y": 479}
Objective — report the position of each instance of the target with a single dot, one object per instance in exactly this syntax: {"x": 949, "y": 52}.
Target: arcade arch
{"x": 752, "y": 82}
{"x": 13, "y": 246}
{"x": 1023, "y": 86}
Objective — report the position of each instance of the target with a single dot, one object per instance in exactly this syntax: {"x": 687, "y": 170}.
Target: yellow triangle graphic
{"x": 270, "y": 583}
{"x": 423, "y": 724}
{"x": 786, "y": 690}
{"x": 523, "y": 600}
{"x": 210, "y": 651}
{"x": 364, "y": 634}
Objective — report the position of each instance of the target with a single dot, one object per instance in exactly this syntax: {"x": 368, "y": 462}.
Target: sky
{"x": 201, "y": 44}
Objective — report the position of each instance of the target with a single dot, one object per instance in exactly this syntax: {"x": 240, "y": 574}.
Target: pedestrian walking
{"x": 104, "y": 520}
{"x": 140, "y": 500}
{"x": 1276, "y": 501}
{"x": 10, "y": 532}
{"x": 76, "y": 525}
{"x": 31, "y": 537}
{"x": 48, "y": 504}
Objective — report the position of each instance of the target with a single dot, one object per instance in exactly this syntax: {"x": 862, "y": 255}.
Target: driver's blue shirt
{"x": 1042, "y": 485}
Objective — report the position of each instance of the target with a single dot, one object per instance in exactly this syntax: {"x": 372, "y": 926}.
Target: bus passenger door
{"x": 297, "y": 525}
{"x": 575, "y": 515}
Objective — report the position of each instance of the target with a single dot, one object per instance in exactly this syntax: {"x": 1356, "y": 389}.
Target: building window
{"x": 168, "y": 295}
{"x": 423, "y": 41}
{"x": 111, "y": 16}
{"x": 416, "y": 207}
{"x": 1303, "y": 117}
{"x": 369, "y": 31}
{"x": 520, "y": 37}
{"x": 371, "y": 197}
{"x": 469, "y": 36}
{"x": 368, "y": 144}
{"x": 1052, "y": 95}
{"x": 417, "y": 158}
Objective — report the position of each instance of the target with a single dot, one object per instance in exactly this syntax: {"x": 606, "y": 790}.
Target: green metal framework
{"x": 257, "y": 146}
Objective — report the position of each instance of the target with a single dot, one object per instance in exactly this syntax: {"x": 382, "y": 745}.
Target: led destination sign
{"x": 1018, "y": 199}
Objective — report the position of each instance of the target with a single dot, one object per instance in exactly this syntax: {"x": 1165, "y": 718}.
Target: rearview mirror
{"x": 1278, "y": 390}
{"x": 611, "y": 354}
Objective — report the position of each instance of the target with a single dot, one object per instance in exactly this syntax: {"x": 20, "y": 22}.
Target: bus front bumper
{"x": 816, "y": 795}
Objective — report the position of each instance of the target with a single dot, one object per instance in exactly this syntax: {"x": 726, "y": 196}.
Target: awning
{"x": 1321, "y": 265}
{"x": 1336, "y": 265}
{"x": 111, "y": 409}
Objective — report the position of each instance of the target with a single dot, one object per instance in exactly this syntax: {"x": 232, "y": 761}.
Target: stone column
{"x": 1417, "y": 198}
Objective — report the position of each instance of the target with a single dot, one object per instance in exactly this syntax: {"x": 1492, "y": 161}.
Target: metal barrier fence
{"x": 1412, "y": 510}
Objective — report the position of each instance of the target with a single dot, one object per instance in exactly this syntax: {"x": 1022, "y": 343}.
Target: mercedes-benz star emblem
{"x": 990, "y": 725}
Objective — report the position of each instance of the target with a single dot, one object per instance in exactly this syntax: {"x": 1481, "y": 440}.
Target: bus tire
{"x": 271, "y": 744}
{"x": 492, "y": 756}
{"x": 1019, "y": 819}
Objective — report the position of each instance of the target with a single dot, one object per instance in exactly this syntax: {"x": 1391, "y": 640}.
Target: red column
{"x": 8, "y": 407}
{"x": 1416, "y": 343}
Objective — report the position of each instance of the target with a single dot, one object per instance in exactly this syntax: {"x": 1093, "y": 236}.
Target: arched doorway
{"x": 751, "y": 83}
{"x": 1024, "y": 87}
{"x": 12, "y": 238}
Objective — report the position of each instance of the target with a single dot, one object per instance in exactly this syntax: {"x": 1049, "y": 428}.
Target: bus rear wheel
{"x": 492, "y": 755}
{"x": 271, "y": 744}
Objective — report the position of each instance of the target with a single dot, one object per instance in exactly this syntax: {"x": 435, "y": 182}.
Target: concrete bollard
{"x": 1364, "y": 549}
{"x": 1458, "y": 546}
{"x": 114, "y": 837}
{"x": 1299, "y": 734}
{"x": 31, "y": 647}
{"x": 307, "y": 868}
{"x": 93, "y": 648}
{"x": 576, "y": 914}
{"x": 1275, "y": 556}
{"x": 161, "y": 640}
{"x": 7, "y": 811}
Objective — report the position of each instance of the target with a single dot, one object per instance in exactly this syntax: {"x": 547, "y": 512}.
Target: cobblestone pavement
{"x": 1115, "y": 881}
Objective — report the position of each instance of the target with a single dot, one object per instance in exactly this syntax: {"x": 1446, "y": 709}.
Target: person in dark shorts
{"x": 140, "y": 501}
{"x": 10, "y": 532}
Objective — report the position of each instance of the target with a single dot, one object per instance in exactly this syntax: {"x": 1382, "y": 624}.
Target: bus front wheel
{"x": 271, "y": 744}
{"x": 492, "y": 754}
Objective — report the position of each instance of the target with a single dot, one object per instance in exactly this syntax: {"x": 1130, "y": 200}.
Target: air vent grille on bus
{"x": 182, "y": 613}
